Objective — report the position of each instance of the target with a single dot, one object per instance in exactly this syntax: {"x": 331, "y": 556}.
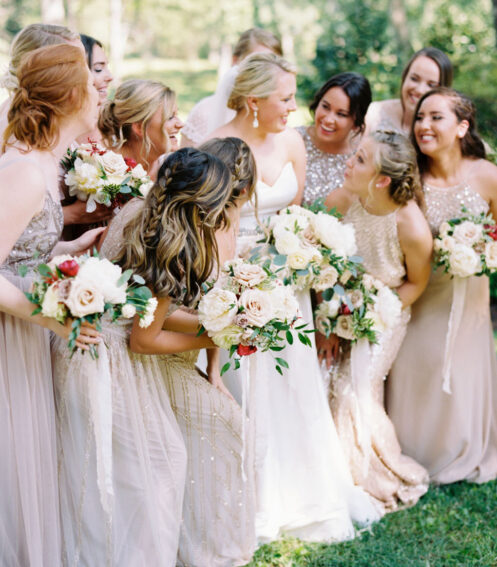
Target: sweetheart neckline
{"x": 279, "y": 176}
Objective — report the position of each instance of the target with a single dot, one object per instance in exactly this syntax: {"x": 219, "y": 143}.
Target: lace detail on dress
{"x": 324, "y": 171}
{"x": 444, "y": 203}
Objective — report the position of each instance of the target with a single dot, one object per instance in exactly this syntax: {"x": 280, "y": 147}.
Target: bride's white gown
{"x": 304, "y": 487}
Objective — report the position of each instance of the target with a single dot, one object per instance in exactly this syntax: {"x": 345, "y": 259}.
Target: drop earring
{"x": 255, "y": 122}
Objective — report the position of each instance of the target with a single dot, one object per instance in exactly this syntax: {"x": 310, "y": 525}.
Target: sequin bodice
{"x": 378, "y": 244}
{"x": 324, "y": 171}
{"x": 444, "y": 203}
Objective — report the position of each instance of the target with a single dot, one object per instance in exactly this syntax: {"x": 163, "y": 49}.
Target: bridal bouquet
{"x": 97, "y": 175}
{"x": 467, "y": 245}
{"x": 358, "y": 307}
{"x": 309, "y": 249}
{"x": 86, "y": 287}
{"x": 250, "y": 310}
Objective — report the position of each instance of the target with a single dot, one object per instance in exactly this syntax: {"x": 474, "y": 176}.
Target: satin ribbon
{"x": 100, "y": 398}
{"x": 456, "y": 311}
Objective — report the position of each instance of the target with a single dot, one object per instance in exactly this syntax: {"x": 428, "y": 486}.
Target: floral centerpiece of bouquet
{"x": 97, "y": 175}
{"x": 86, "y": 287}
{"x": 358, "y": 307}
{"x": 250, "y": 310}
{"x": 467, "y": 245}
{"x": 309, "y": 248}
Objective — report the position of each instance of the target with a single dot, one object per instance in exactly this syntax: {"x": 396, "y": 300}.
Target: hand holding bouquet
{"x": 86, "y": 287}
{"x": 467, "y": 245}
{"x": 250, "y": 310}
{"x": 97, "y": 175}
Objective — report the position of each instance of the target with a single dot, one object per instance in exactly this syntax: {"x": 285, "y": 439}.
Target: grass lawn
{"x": 451, "y": 526}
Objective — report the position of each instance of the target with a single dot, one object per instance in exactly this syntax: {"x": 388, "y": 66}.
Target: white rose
{"x": 52, "y": 306}
{"x": 444, "y": 229}
{"x": 285, "y": 304}
{"x": 257, "y": 306}
{"x": 445, "y": 244}
{"x": 467, "y": 233}
{"x": 298, "y": 210}
{"x": 299, "y": 259}
{"x": 128, "y": 311}
{"x": 491, "y": 254}
{"x": 138, "y": 172}
{"x": 286, "y": 242}
{"x": 292, "y": 222}
{"x": 217, "y": 309}
{"x": 327, "y": 278}
{"x": 103, "y": 274}
{"x": 344, "y": 327}
{"x": 84, "y": 299}
{"x": 378, "y": 323}
{"x": 249, "y": 275}
{"x": 335, "y": 235}
{"x": 84, "y": 179}
{"x": 114, "y": 166}
{"x": 388, "y": 306}
{"x": 330, "y": 308}
{"x": 463, "y": 261}
{"x": 227, "y": 337}
{"x": 145, "y": 188}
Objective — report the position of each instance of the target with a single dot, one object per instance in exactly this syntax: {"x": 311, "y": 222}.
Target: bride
{"x": 304, "y": 488}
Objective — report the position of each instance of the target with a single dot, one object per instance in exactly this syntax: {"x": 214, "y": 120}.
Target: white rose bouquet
{"x": 309, "y": 249}
{"x": 97, "y": 175}
{"x": 249, "y": 310}
{"x": 86, "y": 287}
{"x": 467, "y": 245}
{"x": 358, "y": 307}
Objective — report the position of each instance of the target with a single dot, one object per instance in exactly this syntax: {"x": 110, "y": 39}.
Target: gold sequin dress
{"x": 453, "y": 435}
{"x": 324, "y": 171}
{"x": 375, "y": 459}
{"x": 29, "y": 505}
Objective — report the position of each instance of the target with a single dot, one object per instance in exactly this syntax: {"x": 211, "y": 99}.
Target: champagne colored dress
{"x": 367, "y": 434}
{"x": 29, "y": 503}
{"x": 453, "y": 435}
{"x": 122, "y": 458}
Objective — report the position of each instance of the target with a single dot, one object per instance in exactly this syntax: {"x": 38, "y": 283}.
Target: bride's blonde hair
{"x": 171, "y": 241}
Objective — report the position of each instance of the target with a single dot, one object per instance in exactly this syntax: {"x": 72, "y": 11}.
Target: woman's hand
{"x": 216, "y": 380}
{"x": 88, "y": 335}
{"x": 75, "y": 213}
{"x": 328, "y": 348}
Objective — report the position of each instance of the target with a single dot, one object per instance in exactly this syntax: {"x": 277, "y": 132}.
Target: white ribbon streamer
{"x": 456, "y": 311}
{"x": 100, "y": 397}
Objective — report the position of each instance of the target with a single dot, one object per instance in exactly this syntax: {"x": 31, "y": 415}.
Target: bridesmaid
{"x": 454, "y": 435}
{"x": 379, "y": 199}
{"x": 428, "y": 68}
{"x": 55, "y": 101}
{"x": 132, "y": 516}
{"x": 339, "y": 108}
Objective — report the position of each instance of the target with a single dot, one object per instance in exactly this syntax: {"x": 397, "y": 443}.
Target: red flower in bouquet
{"x": 69, "y": 268}
{"x": 243, "y": 350}
{"x": 131, "y": 163}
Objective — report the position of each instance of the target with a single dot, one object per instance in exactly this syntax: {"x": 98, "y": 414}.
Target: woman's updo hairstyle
{"x": 171, "y": 241}
{"x": 53, "y": 85}
{"x": 28, "y": 39}
{"x": 135, "y": 101}
{"x": 253, "y": 37}
{"x": 463, "y": 107}
{"x": 358, "y": 91}
{"x": 395, "y": 157}
{"x": 258, "y": 76}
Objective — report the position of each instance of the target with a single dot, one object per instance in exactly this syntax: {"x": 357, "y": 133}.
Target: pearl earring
{"x": 255, "y": 122}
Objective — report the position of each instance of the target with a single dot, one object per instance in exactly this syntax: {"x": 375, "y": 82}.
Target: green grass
{"x": 451, "y": 526}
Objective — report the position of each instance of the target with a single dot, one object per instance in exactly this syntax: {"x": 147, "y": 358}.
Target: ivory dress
{"x": 303, "y": 485}
{"x": 122, "y": 458}
{"x": 29, "y": 502}
{"x": 367, "y": 434}
{"x": 453, "y": 435}
{"x": 324, "y": 171}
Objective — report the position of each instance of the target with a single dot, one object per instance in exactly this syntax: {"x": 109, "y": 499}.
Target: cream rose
{"x": 257, "y": 306}
{"x": 327, "y": 278}
{"x": 52, "y": 306}
{"x": 463, "y": 261}
{"x": 322, "y": 323}
{"x": 467, "y": 233}
{"x": 145, "y": 188}
{"x": 335, "y": 235}
{"x": 217, "y": 309}
{"x": 344, "y": 327}
{"x": 491, "y": 254}
{"x": 230, "y": 335}
{"x": 356, "y": 298}
{"x": 445, "y": 244}
{"x": 114, "y": 166}
{"x": 378, "y": 325}
{"x": 444, "y": 229}
{"x": 84, "y": 299}
{"x": 285, "y": 304}
{"x": 298, "y": 210}
{"x": 84, "y": 179}
{"x": 138, "y": 172}
{"x": 103, "y": 274}
{"x": 299, "y": 259}
{"x": 292, "y": 222}
{"x": 286, "y": 242}
{"x": 249, "y": 275}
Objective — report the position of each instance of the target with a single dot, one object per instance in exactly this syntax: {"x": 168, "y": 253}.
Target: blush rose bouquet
{"x": 97, "y": 175}
{"x": 85, "y": 288}
{"x": 467, "y": 245}
{"x": 250, "y": 310}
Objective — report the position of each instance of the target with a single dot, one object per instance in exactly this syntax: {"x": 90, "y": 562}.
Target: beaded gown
{"x": 453, "y": 435}
{"x": 29, "y": 503}
{"x": 324, "y": 172}
{"x": 303, "y": 485}
{"x": 367, "y": 434}
{"x": 132, "y": 516}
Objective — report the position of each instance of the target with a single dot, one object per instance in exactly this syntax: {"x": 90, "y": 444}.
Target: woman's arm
{"x": 340, "y": 199}
{"x": 86, "y": 242}
{"x": 416, "y": 243}
{"x": 75, "y": 213}
{"x": 182, "y": 322}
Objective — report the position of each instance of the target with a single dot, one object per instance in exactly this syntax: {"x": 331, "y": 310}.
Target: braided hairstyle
{"x": 171, "y": 241}
{"x": 395, "y": 157}
{"x": 238, "y": 157}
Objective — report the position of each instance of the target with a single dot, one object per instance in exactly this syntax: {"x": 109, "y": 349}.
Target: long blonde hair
{"x": 135, "y": 101}
{"x": 171, "y": 241}
{"x": 253, "y": 37}
{"x": 28, "y": 39}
